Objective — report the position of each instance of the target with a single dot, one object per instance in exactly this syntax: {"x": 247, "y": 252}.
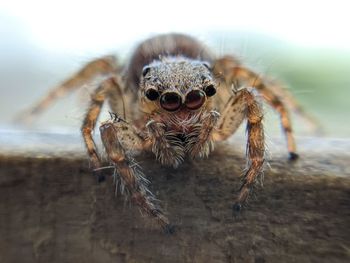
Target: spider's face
{"x": 177, "y": 83}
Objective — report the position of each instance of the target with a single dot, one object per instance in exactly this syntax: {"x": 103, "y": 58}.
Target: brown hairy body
{"x": 175, "y": 99}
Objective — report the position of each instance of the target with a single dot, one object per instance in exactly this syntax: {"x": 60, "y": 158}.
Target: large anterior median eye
{"x": 170, "y": 101}
{"x": 195, "y": 99}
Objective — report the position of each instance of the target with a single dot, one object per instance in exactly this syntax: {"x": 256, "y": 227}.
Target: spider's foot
{"x": 169, "y": 229}
{"x": 293, "y": 156}
{"x": 100, "y": 177}
{"x": 236, "y": 210}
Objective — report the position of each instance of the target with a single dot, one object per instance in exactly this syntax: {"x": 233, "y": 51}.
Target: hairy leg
{"x": 284, "y": 94}
{"x": 245, "y": 106}
{"x": 120, "y": 141}
{"x": 231, "y": 117}
{"x": 232, "y": 72}
{"x": 97, "y": 68}
{"x": 89, "y": 123}
{"x": 255, "y": 148}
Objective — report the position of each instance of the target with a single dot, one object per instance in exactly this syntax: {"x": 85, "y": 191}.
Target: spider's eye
{"x": 207, "y": 65}
{"x": 210, "y": 90}
{"x": 152, "y": 94}
{"x": 170, "y": 101}
{"x": 145, "y": 70}
{"x": 195, "y": 99}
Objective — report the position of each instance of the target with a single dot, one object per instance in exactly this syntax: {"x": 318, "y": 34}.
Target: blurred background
{"x": 305, "y": 44}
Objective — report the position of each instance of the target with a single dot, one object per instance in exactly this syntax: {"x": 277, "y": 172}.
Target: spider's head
{"x": 176, "y": 83}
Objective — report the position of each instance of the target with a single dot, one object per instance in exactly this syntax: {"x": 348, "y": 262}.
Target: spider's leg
{"x": 285, "y": 95}
{"x": 120, "y": 141}
{"x": 101, "y": 67}
{"x": 255, "y": 147}
{"x": 244, "y": 105}
{"x": 252, "y": 79}
{"x": 97, "y": 99}
{"x": 231, "y": 117}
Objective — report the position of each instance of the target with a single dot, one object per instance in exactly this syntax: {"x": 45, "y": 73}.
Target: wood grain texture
{"x": 53, "y": 210}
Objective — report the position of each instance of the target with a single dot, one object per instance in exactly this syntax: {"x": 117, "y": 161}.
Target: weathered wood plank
{"x": 53, "y": 210}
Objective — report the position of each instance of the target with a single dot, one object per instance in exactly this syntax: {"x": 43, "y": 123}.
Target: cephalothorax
{"x": 176, "y": 99}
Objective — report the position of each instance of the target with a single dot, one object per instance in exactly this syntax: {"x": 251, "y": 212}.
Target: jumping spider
{"x": 187, "y": 100}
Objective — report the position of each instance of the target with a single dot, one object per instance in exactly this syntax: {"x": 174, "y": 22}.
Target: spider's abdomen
{"x": 163, "y": 45}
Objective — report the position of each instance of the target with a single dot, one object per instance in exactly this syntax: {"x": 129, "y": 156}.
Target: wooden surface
{"x": 53, "y": 210}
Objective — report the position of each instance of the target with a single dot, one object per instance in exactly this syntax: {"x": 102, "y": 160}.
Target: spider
{"x": 177, "y": 99}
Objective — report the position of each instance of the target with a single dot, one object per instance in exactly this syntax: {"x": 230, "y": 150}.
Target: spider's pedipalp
{"x": 167, "y": 147}
{"x": 199, "y": 141}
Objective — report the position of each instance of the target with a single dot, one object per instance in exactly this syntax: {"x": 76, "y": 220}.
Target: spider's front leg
{"x": 97, "y": 100}
{"x": 241, "y": 106}
{"x": 121, "y": 140}
{"x": 228, "y": 68}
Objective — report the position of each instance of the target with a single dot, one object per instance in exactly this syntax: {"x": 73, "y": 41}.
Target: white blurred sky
{"x": 86, "y": 25}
